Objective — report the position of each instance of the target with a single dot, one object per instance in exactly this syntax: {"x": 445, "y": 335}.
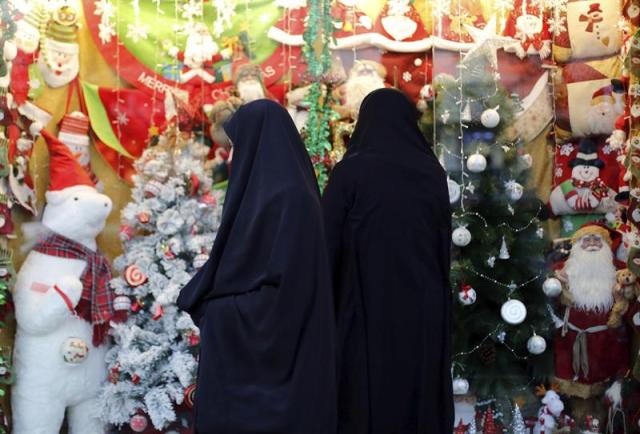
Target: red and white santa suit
{"x": 290, "y": 28}
{"x": 588, "y": 354}
{"x": 349, "y": 20}
{"x": 527, "y": 23}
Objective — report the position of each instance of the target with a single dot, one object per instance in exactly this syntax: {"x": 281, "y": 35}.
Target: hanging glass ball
{"x": 461, "y": 236}
{"x": 490, "y": 118}
{"x": 477, "y": 163}
{"x": 467, "y": 296}
{"x": 138, "y": 423}
{"x": 513, "y": 312}
{"x": 460, "y": 386}
{"x": 536, "y": 344}
{"x": 515, "y": 191}
{"x": 454, "y": 190}
{"x": 552, "y": 287}
{"x": 122, "y": 302}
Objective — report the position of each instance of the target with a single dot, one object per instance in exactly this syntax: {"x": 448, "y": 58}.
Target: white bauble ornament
{"x": 460, "y": 386}
{"x": 476, "y": 163}
{"x": 467, "y": 296}
{"x": 122, "y": 302}
{"x": 514, "y": 190}
{"x": 138, "y": 423}
{"x": 636, "y": 319}
{"x": 527, "y": 160}
{"x": 74, "y": 351}
{"x": 552, "y": 287}
{"x": 536, "y": 344}
{"x": 200, "y": 260}
{"x": 454, "y": 190}
{"x": 461, "y": 236}
{"x": 513, "y": 312}
{"x": 490, "y": 118}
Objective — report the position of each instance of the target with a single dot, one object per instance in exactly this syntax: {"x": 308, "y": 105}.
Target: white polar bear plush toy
{"x": 63, "y": 307}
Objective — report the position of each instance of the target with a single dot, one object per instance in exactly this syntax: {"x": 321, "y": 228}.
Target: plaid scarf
{"x": 96, "y": 301}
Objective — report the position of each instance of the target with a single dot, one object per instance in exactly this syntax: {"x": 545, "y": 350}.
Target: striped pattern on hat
{"x": 75, "y": 123}
{"x": 37, "y": 16}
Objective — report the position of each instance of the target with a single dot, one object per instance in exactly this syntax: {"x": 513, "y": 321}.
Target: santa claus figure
{"x": 607, "y": 104}
{"x": 399, "y": 21}
{"x": 585, "y": 191}
{"x": 289, "y": 29}
{"x": 588, "y": 354}
{"x": 74, "y": 133}
{"x": 27, "y": 39}
{"x": 528, "y": 24}
{"x": 364, "y": 77}
{"x": 349, "y": 19}
{"x": 59, "y": 55}
{"x": 249, "y": 83}
{"x": 200, "y": 54}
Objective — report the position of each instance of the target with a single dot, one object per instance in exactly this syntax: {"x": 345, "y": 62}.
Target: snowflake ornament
{"x": 491, "y": 262}
{"x": 559, "y": 172}
{"x": 136, "y": 32}
{"x": 557, "y": 25}
{"x": 406, "y": 76}
{"x": 566, "y": 149}
{"x": 445, "y": 116}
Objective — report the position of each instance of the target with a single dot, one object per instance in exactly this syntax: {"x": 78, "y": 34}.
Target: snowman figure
{"x": 585, "y": 191}
{"x": 63, "y": 307}
{"x": 550, "y": 414}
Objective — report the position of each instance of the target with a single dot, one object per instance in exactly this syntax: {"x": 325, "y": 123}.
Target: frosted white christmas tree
{"x": 517, "y": 424}
{"x": 167, "y": 231}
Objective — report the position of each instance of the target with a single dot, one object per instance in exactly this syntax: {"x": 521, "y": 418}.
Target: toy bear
{"x": 63, "y": 307}
{"x": 624, "y": 291}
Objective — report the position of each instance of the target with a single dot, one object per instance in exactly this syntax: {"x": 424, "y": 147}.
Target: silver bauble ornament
{"x": 513, "y": 312}
{"x": 476, "y": 163}
{"x": 460, "y": 386}
{"x": 490, "y": 118}
{"x": 536, "y": 344}
{"x": 552, "y": 287}
{"x": 467, "y": 296}
{"x": 461, "y": 236}
{"x": 454, "y": 190}
{"x": 514, "y": 191}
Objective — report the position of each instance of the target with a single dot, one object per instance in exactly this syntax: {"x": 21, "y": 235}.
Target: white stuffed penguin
{"x": 63, "y": 307}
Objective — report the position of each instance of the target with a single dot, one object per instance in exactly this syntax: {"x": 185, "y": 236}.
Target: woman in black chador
{"x": 263, "y": 301}
{"x": 388, "y": 223}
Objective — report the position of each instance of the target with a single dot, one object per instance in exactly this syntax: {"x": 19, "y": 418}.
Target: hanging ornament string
{"x": 482, "y": 342}
{"x": 512, "y": 286}
{"x": 461, "y": 126}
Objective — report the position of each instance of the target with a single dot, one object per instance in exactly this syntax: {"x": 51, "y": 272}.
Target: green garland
{"x": 319, "y": 25}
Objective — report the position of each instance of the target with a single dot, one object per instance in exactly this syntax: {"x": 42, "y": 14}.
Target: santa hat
{"x": 602, "y": 95}
{"x": 587, "y": 155}
{"x": 74, "y": 129}
{"x": 64, "y": 169}
{"x": 62, "y": 28}
{"x": 37, "y": 16}
{"x": 594, "y": 7}
{"x": 592, "y": 229}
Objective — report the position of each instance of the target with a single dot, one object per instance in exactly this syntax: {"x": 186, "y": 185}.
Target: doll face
{"x": 591, "y": 243}
{"x": 27, "y": 37}
{"x": 585, "y": 173}
{"x": 529, "y": 24}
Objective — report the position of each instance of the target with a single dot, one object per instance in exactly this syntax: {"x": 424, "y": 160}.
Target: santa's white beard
{"x": 199, "y": 49}
{"x": 601, "y": 118}
{"x": 357, "y": 88}
{"x": 592, "y": 277}
{"x": 56, "y": 75}
{"x": 250, "y": 90}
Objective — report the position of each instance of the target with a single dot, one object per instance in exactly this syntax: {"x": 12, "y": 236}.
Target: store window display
{"x": 531, "y": 109}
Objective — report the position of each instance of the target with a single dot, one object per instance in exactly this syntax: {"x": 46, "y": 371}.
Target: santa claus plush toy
{"x": 588, "y": 354}
{"x": 249, "y": 83}
{"x": 364, "y": 77}
{"x": 585, "y": 191}
{"x": 63, "y": 307}
{"x": 59, "y": 60}
{"x": 201, "y": 53}
{"x": 607, "y": 104}
{"x": 25, "y": 76}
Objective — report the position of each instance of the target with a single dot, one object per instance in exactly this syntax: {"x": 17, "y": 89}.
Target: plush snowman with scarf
{"x": 63, "y": 307}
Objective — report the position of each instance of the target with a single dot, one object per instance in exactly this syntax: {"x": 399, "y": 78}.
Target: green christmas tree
{"x": 498, "y": 265}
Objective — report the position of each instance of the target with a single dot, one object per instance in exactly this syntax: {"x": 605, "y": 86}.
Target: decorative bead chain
{"x": 512, "y": 287}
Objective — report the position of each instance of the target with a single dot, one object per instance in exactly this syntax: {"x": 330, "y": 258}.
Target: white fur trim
{"x": 73, "y": 139}
{"x": 63, "y": 47}
{"x": 385, "y": 43}
{"x": 35, "y": 113}
{"x": 542, "y": 85}
{"x": 58, "y": 196}
{"x": 285, "y": 38}
{"x": 584, "y": 156}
